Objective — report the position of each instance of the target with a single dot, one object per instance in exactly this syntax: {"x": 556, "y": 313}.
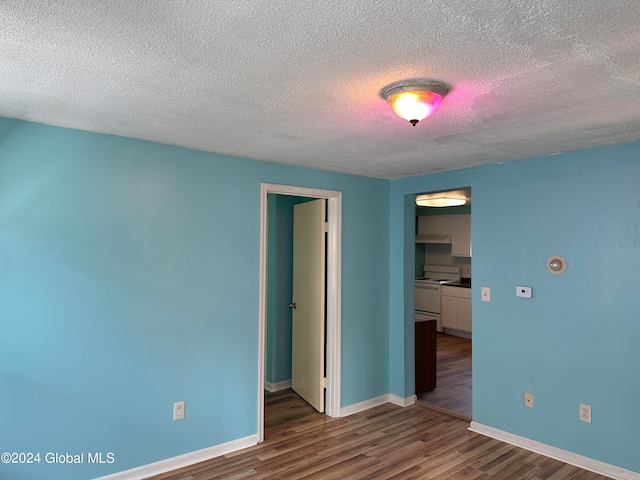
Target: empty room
{"x": 237, "y": 237}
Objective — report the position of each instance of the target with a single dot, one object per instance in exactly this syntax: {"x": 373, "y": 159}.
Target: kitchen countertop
{"x": 464, "y": 283}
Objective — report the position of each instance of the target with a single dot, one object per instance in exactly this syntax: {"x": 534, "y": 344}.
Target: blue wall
{"x": 129, "y": 276}
{"x": 576, "y": 341}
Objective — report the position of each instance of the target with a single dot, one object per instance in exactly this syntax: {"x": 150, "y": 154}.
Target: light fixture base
{"x": 414, "y": 85}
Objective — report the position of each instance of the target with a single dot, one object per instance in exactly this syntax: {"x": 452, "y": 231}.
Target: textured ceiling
{"x": 298, "y": 81}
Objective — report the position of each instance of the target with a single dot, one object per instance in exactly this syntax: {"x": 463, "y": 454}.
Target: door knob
{"x": 292, "y": 305}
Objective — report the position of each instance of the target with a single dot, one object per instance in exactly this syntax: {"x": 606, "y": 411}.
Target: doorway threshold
{"x": 444, "y": 410}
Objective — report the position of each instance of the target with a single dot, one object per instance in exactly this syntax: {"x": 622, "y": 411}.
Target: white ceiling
{"x": 298, "y": 81}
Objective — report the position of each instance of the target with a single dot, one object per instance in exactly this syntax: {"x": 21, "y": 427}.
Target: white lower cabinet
{"x": 456, "y": 308}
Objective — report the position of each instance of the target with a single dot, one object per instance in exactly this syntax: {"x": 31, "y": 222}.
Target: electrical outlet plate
{"x": 528, "y": 399}
{"x": 178, "y": 411}
{"x": 585, "y": 413}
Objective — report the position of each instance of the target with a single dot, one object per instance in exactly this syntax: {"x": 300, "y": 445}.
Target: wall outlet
{"x": 178, "y": 411}
{"x": 528, "y": 399}
{"x": 585, "y": 413}
{"x": 485, "y": 294}
{"x": 466, "y": 271}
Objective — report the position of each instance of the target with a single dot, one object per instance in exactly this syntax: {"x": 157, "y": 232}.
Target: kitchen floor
{"x": 453, "y": 377}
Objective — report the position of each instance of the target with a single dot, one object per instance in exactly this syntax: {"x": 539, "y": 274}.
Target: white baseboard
{"x": 565, "y": 456}
{"x": 403, "y": 402}
{"x": 274, "y": 387}
{"x": 191, "y": 458}
{"x": 374, "y": 402}
{"x": 457, "y": 333}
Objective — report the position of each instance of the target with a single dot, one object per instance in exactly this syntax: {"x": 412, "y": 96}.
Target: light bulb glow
{"x": 415, "y": 105}
{"x": 415, "y": 99}
{"x": 428, "y": 201}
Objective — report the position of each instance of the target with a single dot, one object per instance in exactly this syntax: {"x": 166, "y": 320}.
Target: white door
{"x": 308, "y": 303}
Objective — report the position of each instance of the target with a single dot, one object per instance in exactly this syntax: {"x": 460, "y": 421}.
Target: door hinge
{"x": 324, "y": 382}
{"x": 326, "y": 226}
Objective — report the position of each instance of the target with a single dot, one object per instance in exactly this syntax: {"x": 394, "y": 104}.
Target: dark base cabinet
{"x": 425, "y": 334}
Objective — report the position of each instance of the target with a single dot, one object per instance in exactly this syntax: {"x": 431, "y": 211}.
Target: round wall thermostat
{"x": 556, "y": 265}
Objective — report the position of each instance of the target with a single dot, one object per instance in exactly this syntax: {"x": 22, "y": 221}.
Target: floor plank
{"x": 386, "y": 442}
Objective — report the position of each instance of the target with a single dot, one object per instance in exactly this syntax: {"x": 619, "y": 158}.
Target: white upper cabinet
{"x": 460, "y": 235}
{"x": 434, "y": 224}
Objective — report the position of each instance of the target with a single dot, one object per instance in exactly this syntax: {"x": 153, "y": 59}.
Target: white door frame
{"x": 334, "y": 292}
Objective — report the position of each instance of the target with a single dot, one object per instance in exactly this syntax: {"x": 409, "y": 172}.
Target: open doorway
{"x": 333, "y": 289}
{"x": 443, "y": 299}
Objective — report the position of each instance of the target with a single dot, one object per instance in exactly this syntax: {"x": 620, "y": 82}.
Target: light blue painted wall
{"x": 428, "y": 211}
{"x": 129, "y": 276}
{"x": 576, "y": 341}
{"x": 401, "y": 294}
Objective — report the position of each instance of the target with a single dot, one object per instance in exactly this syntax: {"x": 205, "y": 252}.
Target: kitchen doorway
{"x": 443, "y": 244}
{"x": 333, "y": 289}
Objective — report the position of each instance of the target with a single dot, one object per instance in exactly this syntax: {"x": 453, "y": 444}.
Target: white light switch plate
{"x": 485, "y": 293}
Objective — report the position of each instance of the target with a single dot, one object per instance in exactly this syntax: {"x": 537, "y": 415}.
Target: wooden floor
{"x": 453, "y": 378}
{"x": 386, "y": 442}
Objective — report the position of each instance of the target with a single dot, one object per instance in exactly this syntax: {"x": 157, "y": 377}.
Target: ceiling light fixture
{"x": 414, "y": 100}
{"x": 443, "y": 201}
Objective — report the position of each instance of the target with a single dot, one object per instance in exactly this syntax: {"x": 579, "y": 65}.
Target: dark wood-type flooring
{"x": 453, "y": 378}
{"x": 385, "y": 442}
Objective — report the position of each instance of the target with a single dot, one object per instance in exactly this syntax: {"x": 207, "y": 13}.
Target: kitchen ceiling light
{"x": 414, "y": 100}
{"x": 428, "y": 201}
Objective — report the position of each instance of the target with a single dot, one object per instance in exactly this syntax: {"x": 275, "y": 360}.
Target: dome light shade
{"x": 414, "y": 100}
{"x": 415, "y": 106}
{"x": 444, "y": 201}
